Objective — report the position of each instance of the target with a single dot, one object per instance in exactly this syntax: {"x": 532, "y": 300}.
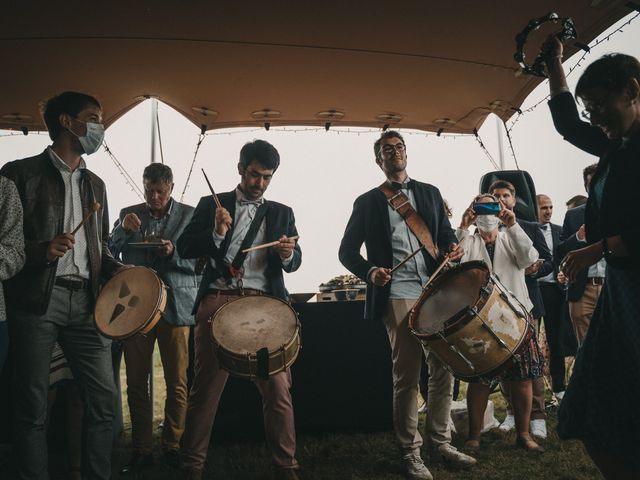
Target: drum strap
{"x": 399, "y": 202}
{"x": 263, "y": 363}
{"x": 235, "y": 269}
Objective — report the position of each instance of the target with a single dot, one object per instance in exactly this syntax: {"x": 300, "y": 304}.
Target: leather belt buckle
{"x": 391, "y": 201}
{"x": 72, "y": 283}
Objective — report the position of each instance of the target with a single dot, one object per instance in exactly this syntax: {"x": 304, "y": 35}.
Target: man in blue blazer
{"x": 160, "y": 219}
{"x": 389, "y": 240}
{"x": 217, "y": 233}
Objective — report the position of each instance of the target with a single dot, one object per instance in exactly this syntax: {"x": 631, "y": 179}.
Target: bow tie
{"x": 400, "y": 186}
{"x": 257, "y": 203}
{"x": 545, "y": 226}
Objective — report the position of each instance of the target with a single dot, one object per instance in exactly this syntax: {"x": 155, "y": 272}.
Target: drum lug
{"x": 457, "y": 352}
{"x": 494, "y": 335}
{"x": 486, "y": 291}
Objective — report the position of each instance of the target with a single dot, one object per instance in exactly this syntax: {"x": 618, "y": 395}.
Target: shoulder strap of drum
{"x": 252, "y": 231}
{"x": 399, "y": 202}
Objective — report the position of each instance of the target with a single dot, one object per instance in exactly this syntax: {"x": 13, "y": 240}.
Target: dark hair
{"x": 261, "y": 151}
{"x": 577, "y": 200}
{"x": 71, "y": 103}
{"x": 588, "y": 172}
{"x": 611, "y": 72}
{"x": 503, "y": 184}
{"x": 158, "y": 173}
{"x": 387, "y": 134}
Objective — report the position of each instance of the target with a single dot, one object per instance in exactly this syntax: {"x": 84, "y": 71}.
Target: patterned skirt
{"x": 600, "y": 406}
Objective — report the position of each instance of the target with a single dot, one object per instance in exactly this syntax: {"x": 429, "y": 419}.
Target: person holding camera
{"x": 508, "y": 254}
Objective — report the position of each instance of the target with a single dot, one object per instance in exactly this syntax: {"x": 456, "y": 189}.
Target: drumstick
{"x": 267, "y": 245}
{"x": 442, "y": 265}
{"x": 213, "y": 194}
{"x": 406, "y": 260}
{"x": 95, "y": 208}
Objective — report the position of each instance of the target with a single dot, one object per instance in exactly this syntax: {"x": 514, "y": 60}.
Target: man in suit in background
{"x": 376, "y": 221}
{"x": 160, "y": 219}
{"x": 218, "y": 233}
{"x": 552, "y": 298}
{"x": 582, "y": 293}
{"x": 506, "y": 193}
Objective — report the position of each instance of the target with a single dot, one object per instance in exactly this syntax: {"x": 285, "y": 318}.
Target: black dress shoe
{"x": 137, "y": 463}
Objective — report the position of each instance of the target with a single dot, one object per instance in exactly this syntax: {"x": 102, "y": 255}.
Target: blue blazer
{"x": 197, "y": 241}
{"x": 176, "y": 272}
{"x": 369, "y": 224}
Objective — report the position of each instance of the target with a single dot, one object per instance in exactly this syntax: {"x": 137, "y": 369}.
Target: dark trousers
{"x": 554, "y": 305}
{"x": 69, "y": 319}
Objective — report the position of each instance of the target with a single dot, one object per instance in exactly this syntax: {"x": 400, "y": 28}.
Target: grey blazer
{"x": 11, "y": 236}
{"x": 176, "y": 272}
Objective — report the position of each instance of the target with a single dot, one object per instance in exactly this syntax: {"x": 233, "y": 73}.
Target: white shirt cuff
{"x": 287, "y": 261}
{"x": 217, "y": 239}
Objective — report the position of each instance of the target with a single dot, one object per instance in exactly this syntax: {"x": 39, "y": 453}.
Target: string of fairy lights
{"x": 520, "y": 112}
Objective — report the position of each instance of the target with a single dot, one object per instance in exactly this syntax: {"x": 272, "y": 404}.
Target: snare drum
{"x": 471, "y": 321}
{"x": 256, "y": 336}
{"x": 131, "y": 302}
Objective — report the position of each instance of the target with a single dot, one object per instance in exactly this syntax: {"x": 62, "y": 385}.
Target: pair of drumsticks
{"x": 219, "y": 205}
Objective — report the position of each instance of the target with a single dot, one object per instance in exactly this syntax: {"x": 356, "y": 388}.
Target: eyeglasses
{"x": 598, "y": 108}
{"x": 389, "y": 149}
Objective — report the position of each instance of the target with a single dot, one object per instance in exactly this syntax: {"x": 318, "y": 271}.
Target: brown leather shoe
{"x": 280, "y": 473}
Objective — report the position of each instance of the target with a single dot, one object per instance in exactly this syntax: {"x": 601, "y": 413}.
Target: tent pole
{"x": 499, "y": 127}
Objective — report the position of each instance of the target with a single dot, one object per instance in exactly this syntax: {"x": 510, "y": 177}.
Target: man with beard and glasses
{"x": 378, "y": 221}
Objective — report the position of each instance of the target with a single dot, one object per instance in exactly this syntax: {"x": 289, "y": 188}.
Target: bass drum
{"x": 256, "y": 336}
{"x": 471, "y": 321}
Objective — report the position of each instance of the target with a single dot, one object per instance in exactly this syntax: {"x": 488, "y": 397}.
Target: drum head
{"x": 247, "y": 324}
{"x": 128, "y": 301}
{"x": 452, "y": 294}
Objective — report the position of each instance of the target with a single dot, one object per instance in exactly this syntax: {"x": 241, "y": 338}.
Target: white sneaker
{"x": 414, "y": 467}
{"x": 508, "y": 424}
{"x": 538, "y": 428}
{"x": 452, "y": 456}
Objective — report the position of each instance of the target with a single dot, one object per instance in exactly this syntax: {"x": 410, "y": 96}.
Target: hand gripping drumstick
{"x": 95, "y": 208}
{"x": 442, "y": 265}
{"x": 213, "y": 194}
{"x": 270, "y": 244}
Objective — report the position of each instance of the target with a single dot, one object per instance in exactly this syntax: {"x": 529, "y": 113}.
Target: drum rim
{"x": 152, "y": 318}
{"x": 288, "y": 304}
{"x": 464, "y": 320}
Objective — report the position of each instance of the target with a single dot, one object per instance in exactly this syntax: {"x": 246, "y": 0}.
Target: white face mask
{"x": 93, "y": 139}
{"x": 487, "y": 223}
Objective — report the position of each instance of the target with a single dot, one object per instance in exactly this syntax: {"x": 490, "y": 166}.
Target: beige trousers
{"x": 582, "y": 310}
{"x": 406, "y": 355}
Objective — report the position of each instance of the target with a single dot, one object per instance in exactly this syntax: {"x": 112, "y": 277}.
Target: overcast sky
{"x": 322, "y": 173}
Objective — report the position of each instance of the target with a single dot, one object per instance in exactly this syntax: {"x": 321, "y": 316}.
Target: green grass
{"x": 374, "y": 456}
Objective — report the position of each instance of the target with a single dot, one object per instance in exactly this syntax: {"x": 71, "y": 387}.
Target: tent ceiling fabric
{"x": 417, "y": 62}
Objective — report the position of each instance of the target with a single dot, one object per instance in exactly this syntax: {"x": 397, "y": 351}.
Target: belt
{"x": 234, "y": 292}
{"x": 72, "y": 284}
{"x": 595, "y": 280}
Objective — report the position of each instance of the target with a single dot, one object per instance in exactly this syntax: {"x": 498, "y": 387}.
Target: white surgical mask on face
{"x": 487, "y": 223}
{"x": 93, "y": 139}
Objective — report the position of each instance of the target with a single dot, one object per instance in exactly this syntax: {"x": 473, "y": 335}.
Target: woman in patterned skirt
{"x": 507, "y": 253}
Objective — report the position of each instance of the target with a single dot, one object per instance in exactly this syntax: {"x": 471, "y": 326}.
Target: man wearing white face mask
{"x": 52, "y": 298}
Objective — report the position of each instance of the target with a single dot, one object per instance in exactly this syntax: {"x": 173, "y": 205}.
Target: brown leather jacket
{"x": 41, "y": 190}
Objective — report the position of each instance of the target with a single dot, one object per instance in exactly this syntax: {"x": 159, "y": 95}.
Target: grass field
{"x": 374, "y": 456}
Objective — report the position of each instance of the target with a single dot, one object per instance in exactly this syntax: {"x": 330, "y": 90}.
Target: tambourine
{"x": 537, "y": 67}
